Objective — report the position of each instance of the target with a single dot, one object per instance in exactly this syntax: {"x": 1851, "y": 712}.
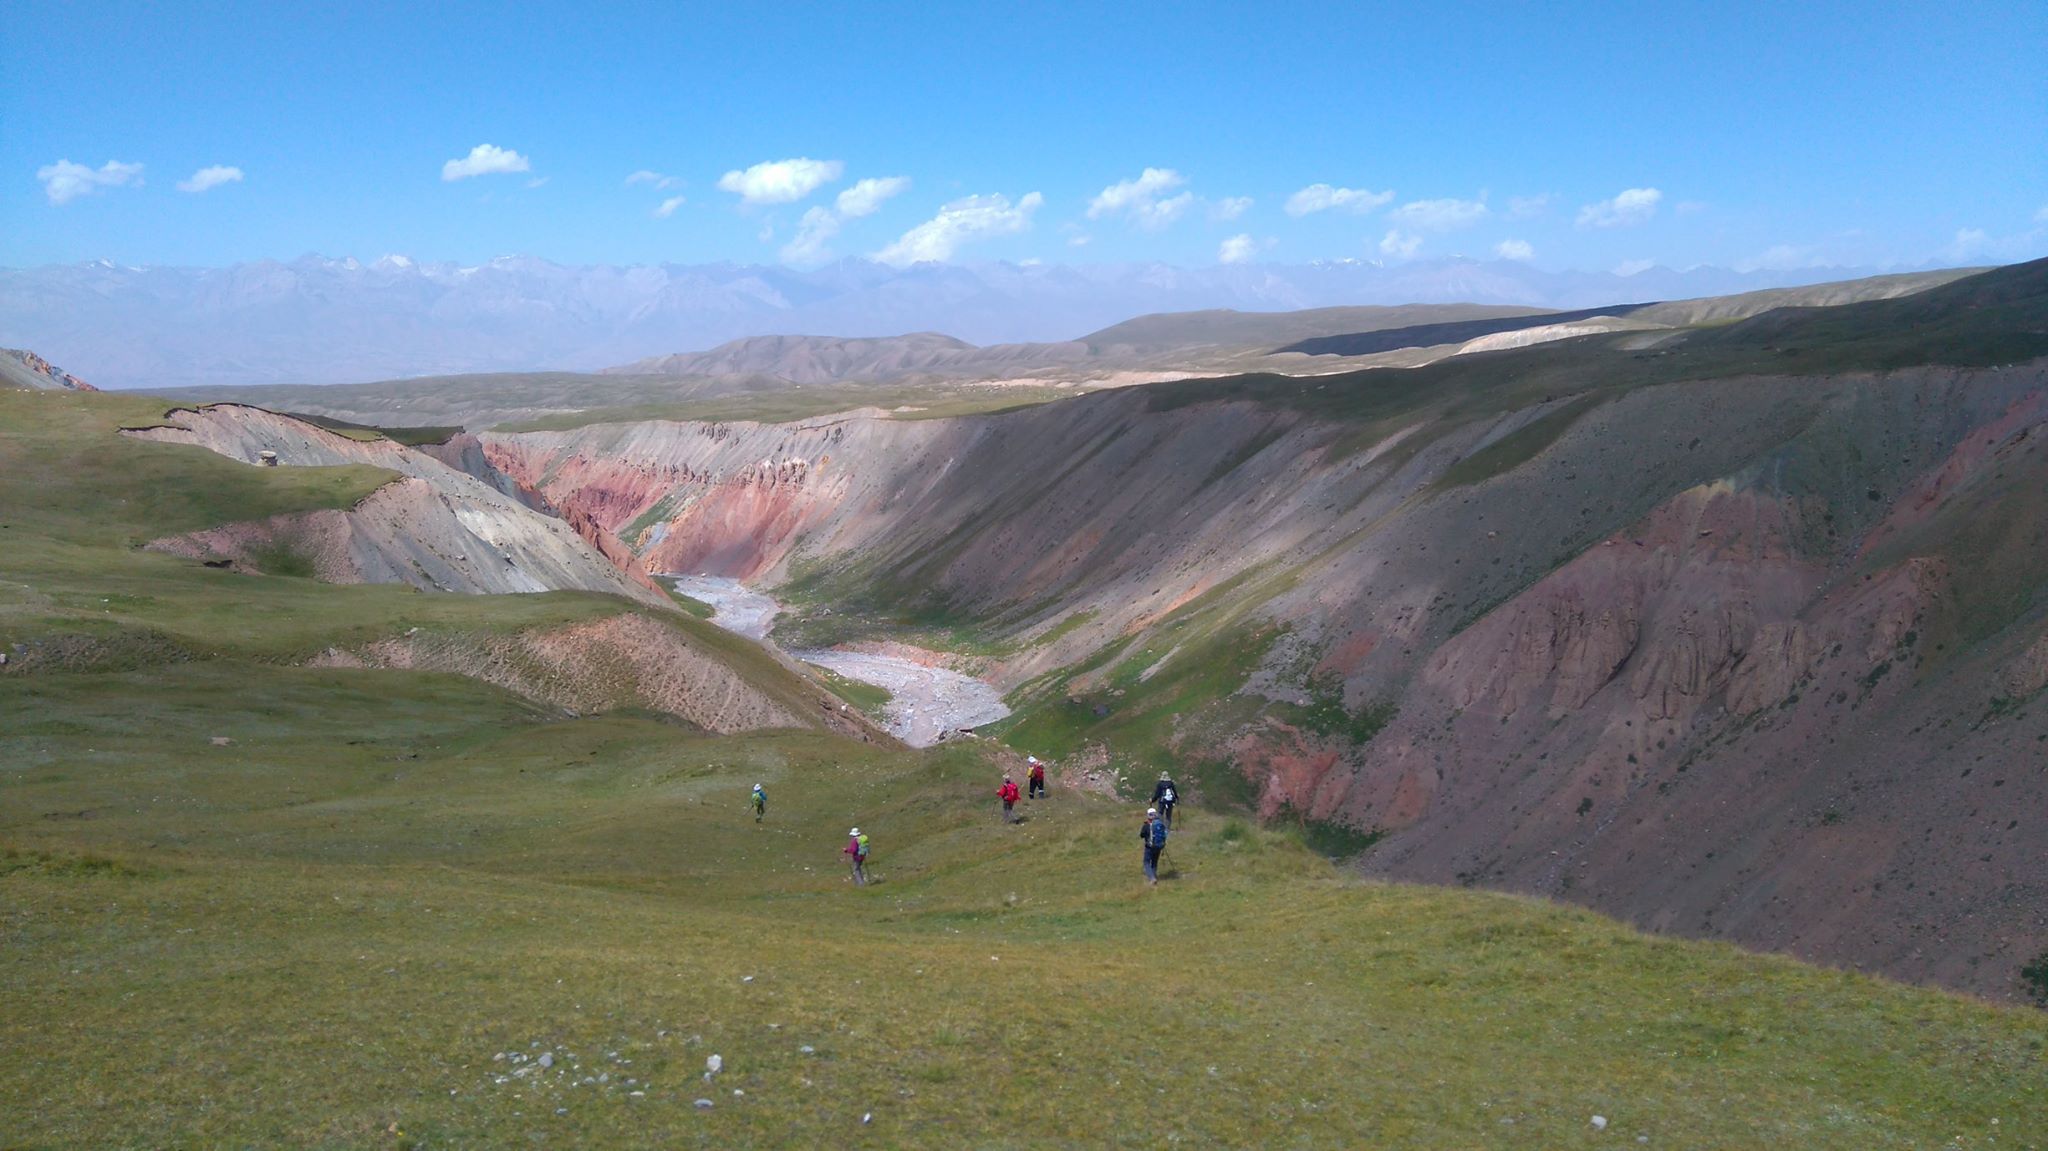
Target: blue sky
{"x": 1573, "y": 135}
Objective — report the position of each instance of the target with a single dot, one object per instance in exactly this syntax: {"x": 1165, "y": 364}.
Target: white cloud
{"x": 1633, "y": 267}
{"x": 780, "y": 181}
{"x": 65, "y": 181}
{"x": 866, "y": 196}
{"x": 1141, "y": 201}
{"x": 1230, "y": 207}
{"x": 1514, "y": 250}
{"x": 1321, "y": 197}
{"x": 538, "y": 181}
{"x": 820, "y": 224}
{"x": 1528, "y": 207}
{"x": 962, "y": 220}
{"x": 1970, "y": 244}
{"x": 1399, "y": 244}
{"x": 1978, "y": 245}
{"x": 1439, "y": 215}
{"x": 1079, "y": 240}
{"x": 668, "y": 207}
{"x": 1632, "y": 206}
{"x": 813, "y": 232}
{"x": 485, "y": 160}
{"x": 1239, "y": 249}
{"x": 1153, "y": 217}
{"x": 212, "y": 177}
{"x": 660, "y": 182}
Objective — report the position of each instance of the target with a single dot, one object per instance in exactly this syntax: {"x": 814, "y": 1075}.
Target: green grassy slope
{"x": 324, "y": 934}
{"x": 80, "y": 501}
{"x": 76, "y": 589}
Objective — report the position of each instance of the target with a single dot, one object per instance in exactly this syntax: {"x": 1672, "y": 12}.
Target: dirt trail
{"x": 926, "y": 702}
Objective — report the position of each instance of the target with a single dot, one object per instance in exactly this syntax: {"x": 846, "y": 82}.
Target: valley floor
{"x": 925, "y": 703}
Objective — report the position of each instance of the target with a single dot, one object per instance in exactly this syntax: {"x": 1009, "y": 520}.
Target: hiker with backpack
{"x": 1037, "y": 775}
{"x": 857, "y": 851}
{"x": 1008, "y": 794}
{"x": 1164, "y": 796}
{"x": 1153, "y": 835}
{"x": 760, "y": 802}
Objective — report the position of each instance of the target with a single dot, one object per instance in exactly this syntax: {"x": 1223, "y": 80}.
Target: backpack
{"x": 863, "y": 852}
{"x": 1158, "y": 838}
{"x": 1167, "y": 796}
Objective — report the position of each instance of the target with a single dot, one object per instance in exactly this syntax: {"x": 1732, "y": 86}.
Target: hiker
{"x": 1164, "y": 796}
{"x": 760, "y": 801}
{"x": 1037, "y": 775}
{"x": 857, "y": 851}
{"x": 1008, "y": 794}
{"x": 1153, "y": 836}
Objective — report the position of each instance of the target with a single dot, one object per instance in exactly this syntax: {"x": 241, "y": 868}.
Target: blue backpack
{"x": 1158, "y": 833}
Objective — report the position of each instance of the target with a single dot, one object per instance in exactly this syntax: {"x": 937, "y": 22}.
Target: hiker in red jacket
{"x": 1008, "y": 794}
{"x": 1036, "y": 776}
{"x": 856, "y": 850}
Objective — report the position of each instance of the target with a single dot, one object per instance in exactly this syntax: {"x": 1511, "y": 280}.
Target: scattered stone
{"x": 1599, "y": 1122}
{"x": 867, "y": 1117}
{"x": 714, "y": 1065}
{"x": 703, "y": 1104}
{"x": 547, "y": 1059}
{"x": 746, "y": 979}
{"x": 220, "y": 741}
{"x": 807, "y": 1049}
{"x": 737, "y": 1091}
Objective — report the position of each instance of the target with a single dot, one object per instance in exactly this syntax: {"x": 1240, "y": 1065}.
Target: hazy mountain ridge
{"x": 318, "y": 320}
{"x": 823, "y": 359}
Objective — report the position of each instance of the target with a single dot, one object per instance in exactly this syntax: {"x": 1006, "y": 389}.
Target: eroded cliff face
{"x": 1712, "y": 656}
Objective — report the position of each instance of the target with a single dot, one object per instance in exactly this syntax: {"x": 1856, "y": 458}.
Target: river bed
{"x": 925, "y": 702}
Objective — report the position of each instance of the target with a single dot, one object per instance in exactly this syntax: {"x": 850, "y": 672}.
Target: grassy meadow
{"x": 249, "y": 903}
{"x": 363, "y": 920}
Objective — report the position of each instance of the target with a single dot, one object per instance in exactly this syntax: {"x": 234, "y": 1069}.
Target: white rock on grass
{"x": 703, "y": 1104}
{"x": 1599, "y": 1122}
{"x": 547, "y": 1059}
{"x": 714, "y": 1065}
